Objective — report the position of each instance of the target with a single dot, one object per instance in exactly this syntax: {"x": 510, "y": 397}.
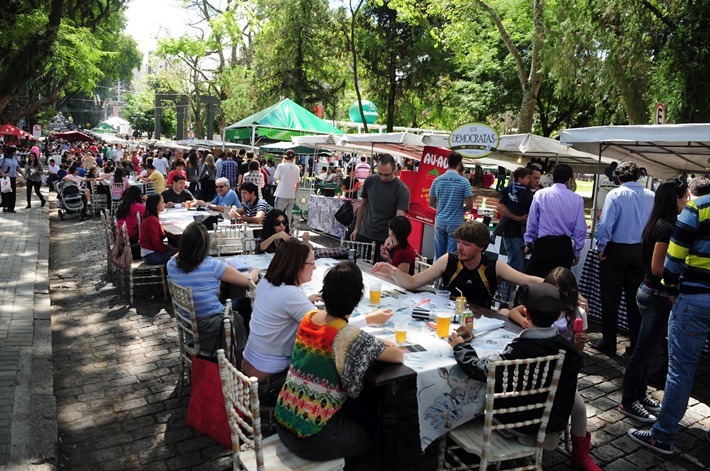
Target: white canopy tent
{"x": 399, "y": 144}
{"x": 664, "y": 150}
{"x": 513, "y": 147}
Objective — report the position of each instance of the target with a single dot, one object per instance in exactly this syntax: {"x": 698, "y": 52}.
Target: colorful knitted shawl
{"x": 328, "y": 364}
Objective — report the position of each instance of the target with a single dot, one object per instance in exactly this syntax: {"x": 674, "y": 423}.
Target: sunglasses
{"x": 221, "y": 186}
{"x": 280, "y": 222}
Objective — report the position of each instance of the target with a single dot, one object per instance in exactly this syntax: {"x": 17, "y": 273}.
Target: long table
{"x": 175, "y": 220}
{"x": 414, "y": 398}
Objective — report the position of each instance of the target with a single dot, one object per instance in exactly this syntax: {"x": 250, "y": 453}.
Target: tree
{"x": 47, "y": 47}
{"x": 296, "y": 53}
{"x": 404, "y": 61}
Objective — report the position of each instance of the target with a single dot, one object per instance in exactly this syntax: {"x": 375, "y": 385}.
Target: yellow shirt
{"x": 159, "y": 180}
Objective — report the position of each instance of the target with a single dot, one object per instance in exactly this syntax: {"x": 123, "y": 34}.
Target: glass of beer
{"x": 375, "y": 292}
{"x": 400, "y": 330}
{"x": 443, "y": 323}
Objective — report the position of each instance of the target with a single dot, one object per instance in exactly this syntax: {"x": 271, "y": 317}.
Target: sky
{"x": 151, "y": 19}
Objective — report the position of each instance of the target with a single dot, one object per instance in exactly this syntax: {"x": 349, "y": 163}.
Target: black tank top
{"x": 477, "y": 285}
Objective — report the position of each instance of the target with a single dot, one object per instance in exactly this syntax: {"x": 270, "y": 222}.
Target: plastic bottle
{"x": 578, "y": 325}
{"x": 483, "y": 205}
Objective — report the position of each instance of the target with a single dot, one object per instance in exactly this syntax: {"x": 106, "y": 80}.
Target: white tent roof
{"x": 115, "y": 121}
{"x": 664, "y": 150}
{"x": 513, "y": 146}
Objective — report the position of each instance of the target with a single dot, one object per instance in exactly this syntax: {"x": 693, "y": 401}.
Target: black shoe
{"x": 638, "y": 412}
{"x": 651, "y": 405}
{"x": 28, "y": 207}
{"x": 601, "y": 346}
{"x": 10, "y": 211}
{"x": 44, "y": 202}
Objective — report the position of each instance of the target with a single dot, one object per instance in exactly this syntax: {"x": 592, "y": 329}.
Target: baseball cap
{"x": 543, "y": 297}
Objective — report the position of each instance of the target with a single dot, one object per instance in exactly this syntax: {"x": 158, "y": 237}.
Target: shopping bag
{"x": 5, "y": 185}
{"x": 206, "y": 412}
{"x": 344, "y": 215}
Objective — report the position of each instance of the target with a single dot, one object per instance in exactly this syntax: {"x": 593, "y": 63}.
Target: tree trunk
{"x": 353, "y": 51}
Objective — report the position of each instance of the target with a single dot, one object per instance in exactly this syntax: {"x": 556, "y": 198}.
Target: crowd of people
{"x": 310, "y": 361}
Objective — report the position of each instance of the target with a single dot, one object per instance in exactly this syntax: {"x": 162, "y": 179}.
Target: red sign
{"x": 434, "y": 162}
{"x": 659, "y": 116}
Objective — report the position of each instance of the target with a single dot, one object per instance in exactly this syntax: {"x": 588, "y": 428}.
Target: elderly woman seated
{"x": 193, "y": 268}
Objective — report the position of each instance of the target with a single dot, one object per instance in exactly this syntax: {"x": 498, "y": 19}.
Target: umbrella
{"x": 73, "y": 136}
{"x": 10, "y": 130}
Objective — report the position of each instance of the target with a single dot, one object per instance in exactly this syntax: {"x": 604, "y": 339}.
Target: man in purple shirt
{"x": 556, "y": 229}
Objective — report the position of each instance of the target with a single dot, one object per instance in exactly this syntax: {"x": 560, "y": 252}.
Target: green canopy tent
{"x": 279, "y": 122}
{"x": 105, "y": 128}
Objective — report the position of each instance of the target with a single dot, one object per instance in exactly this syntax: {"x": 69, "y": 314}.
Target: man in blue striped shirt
{"x": 451, "y": 196}
{"x": 624, "y": 216}
{"x": 687, "y": 268}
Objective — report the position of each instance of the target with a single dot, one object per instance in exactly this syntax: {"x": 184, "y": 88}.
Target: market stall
{"x": 666, "y": 151}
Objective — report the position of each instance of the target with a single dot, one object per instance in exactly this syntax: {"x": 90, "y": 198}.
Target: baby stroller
{"x": 70, "y": 199}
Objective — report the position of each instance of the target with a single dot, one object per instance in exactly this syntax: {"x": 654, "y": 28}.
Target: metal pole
{"x": 595, "y": 192}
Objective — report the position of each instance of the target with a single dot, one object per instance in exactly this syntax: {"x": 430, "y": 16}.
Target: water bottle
{"x": 352, "y": 255}
{"x": 483, "y": 205}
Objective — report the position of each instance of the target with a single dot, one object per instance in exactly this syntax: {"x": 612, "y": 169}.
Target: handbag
{"x": 121, "y": 255}
{"x": 206, "y": 412}
{"x": 5, "y": 185}
{"x": 344, "y": 215}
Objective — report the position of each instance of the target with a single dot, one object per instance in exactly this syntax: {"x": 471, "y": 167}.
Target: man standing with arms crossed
{"x": 450, "y": 195}
{"x": 624, "y": 216}
{"x": 384, "y": 196}
{"x": 685, "y": 268}
{"x": 556, "y": 228}
{"x": 288, "y": 177}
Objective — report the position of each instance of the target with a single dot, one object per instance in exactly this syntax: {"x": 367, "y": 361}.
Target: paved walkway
{"x": 28, "y": 431}
{"x": 115, "y": 370}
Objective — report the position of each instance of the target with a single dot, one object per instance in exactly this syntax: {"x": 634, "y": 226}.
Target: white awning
{"x": 664, "y": 150}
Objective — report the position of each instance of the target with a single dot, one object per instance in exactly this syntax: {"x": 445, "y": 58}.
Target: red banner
{"x": 434, "y": 162}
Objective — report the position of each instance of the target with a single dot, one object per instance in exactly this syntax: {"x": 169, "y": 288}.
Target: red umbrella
{"x": 10, "y": 130}
{"x": 73, "y": 136}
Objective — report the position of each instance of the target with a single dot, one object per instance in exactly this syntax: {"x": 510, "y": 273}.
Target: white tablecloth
{"x": 446, "y": 397}
{"x": 175, "y": 220}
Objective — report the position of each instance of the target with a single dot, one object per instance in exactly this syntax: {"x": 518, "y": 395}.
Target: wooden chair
{"x": 142, "y": 274}
{"x": 229, "y": 238}
{"x": 109, "y": 240}
{"x": 186, "y": 323}
{"x": 98, "y": 200}
{"x": 365, "y": 250}
{"x": 241, "y": 399}
{"x": 116, "y": 188}
{"x": 516, "y": 378}
{"x": 150, "y": 188}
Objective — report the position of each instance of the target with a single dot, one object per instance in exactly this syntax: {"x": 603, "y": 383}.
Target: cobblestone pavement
{"x": 28, "y": 431}
{"x": 115, "y": 380}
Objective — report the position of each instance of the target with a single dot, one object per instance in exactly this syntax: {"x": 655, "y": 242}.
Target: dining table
{"x": 175, "y": 220}
{"x": 421, "y": 399}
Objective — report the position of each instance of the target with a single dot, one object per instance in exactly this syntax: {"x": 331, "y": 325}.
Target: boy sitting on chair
{"x": 542, "y": 306}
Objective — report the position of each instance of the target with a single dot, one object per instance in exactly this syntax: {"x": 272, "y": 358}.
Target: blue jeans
{"x": 444, "y": 240}
{"x": 516, "y": 259}
{"x": 654, "y": 312}
{"x": 159, "y": 258}
{"x": 688, "y": 330}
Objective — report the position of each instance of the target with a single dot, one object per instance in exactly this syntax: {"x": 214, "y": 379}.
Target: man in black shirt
{"x": 177, "y": 194}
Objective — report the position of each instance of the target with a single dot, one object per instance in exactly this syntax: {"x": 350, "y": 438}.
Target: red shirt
{"x": 152, "y": 235}
{"x": 172, "y": 174}
{"x": 401, "y": 255}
